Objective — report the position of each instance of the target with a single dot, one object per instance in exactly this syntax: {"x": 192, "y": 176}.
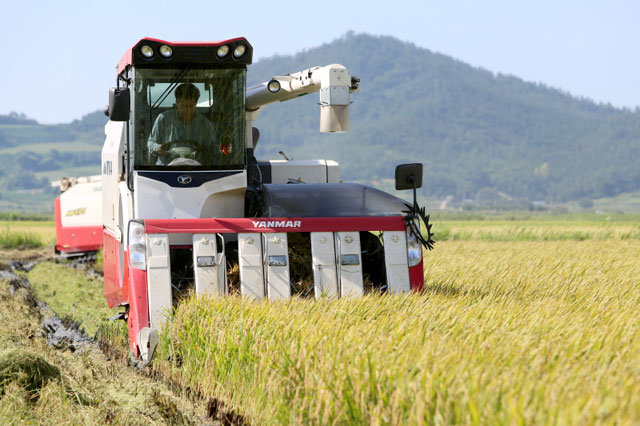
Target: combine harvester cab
{"x": 78, "y": 214}
{"x": 185, "y": 201}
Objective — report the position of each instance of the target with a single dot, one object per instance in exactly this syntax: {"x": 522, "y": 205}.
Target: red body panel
{"x": 129, "y": 287}
{"x": 416, "y": 276}
{"x": 274, "y": 224}
{"x": 115, "y": 285}
{"x": 76, "y": 239}
{"x": 138, "y": 304}
{"x": 127, "y": 57}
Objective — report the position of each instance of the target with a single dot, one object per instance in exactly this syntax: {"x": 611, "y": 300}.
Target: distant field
{"x": 72, "y": 171}
{"x": 628, "y": 203}
{"x": 44, "y": 230}
{"x": 578, "y": 228}
{"x": 45, "y": 147}
{"x": 536, "y": 230}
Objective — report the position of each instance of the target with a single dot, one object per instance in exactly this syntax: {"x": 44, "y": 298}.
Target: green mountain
{"x": 491, "y": 138}
{"x": 477, "y": 133}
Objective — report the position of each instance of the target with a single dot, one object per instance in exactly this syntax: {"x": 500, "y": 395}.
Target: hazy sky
{"x": 59, "y": 56}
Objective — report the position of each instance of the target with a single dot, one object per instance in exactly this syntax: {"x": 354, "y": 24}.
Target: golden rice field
{"x": 506, "y": 333}
{"x": 521, "y": 322}
{"x": 540, "y": 229}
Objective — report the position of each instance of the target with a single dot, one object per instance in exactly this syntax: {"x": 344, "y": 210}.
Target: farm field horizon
{"x": 509, "y": 226}
{"x": 528, "y": 321}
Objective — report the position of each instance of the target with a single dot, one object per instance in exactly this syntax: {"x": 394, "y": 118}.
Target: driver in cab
{"x": 181, "y": 132}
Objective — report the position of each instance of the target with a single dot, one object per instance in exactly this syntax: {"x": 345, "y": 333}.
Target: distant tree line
{"x": 16, "y": 118}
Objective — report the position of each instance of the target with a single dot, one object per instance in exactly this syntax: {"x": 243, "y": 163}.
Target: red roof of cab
{"x": 127, "y": 57}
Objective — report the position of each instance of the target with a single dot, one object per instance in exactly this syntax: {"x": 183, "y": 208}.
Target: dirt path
{"x": 89, "y": 383}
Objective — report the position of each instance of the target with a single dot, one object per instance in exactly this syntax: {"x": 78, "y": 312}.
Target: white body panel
{"x": 395, "y": 257}
{"x": 158, "y": 279}
{"x": 325, "y": 279}
{"x": 350, "y": 266}
{"x": 125, "y": 207}
{"x": 222, "y": 197}
{"x": 276, "y": 247}
{"x": 112, "y": 175}
{"x": 308, "y": 171}
{"x": 81, "y": 205}
{"x": 208, "y": 265}
{"x": 251, "y": 267}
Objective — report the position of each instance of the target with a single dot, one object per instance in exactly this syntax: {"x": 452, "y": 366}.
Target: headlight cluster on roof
{"x": 149, "y": 52}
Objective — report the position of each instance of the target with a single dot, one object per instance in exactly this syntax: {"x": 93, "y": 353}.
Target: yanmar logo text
{"x": 276, "y": 223}
{"x": 76, "y": 212}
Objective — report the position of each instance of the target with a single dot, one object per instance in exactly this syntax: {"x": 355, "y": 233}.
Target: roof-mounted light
{"x": 273, "y": 86}
{"x": 146, "y": 51}
{"x": 239, "y": 51}
{"x": 166, "y": 51}
{"x": 223, "y": 51}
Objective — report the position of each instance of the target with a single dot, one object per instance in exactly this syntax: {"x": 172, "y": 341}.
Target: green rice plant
{"x": 99, "y": 263}
{"x": 19, "y": 240}
{"x": 441, "y": 232}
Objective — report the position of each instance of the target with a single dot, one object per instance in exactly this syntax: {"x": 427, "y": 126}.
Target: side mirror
{"x": 119, "y": 104}
{"x": 409, "y": 176}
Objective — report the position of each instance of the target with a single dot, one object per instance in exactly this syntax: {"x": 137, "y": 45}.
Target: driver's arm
{"x": 157, "y": 137}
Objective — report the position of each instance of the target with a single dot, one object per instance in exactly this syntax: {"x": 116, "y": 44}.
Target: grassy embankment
{"x": 42, "y": 385}
{"x": 507, "y": 332}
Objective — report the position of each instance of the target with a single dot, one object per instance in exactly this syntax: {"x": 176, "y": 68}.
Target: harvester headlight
{"x": 147, "y": 51}
{"x": 137, "y": 245}
{"x": 273, "y": 86}
{"x": 239, "y": 51}
{"x": 414, "y": 249}
{"x": 166, "y": 51}
{"x": 223, "y": 51}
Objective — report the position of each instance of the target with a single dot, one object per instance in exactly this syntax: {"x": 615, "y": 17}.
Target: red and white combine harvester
{"x": 185, "y": 201}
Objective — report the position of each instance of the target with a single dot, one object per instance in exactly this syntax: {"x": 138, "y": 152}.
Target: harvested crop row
{"x": 533, "y": 332}
{"x": 45, "y": 383}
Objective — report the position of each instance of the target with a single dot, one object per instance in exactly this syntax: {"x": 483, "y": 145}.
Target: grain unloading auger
{"x": 184, "y": 199}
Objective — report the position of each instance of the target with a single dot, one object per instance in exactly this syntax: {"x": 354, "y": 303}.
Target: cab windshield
{"x": 189, "y": 119}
